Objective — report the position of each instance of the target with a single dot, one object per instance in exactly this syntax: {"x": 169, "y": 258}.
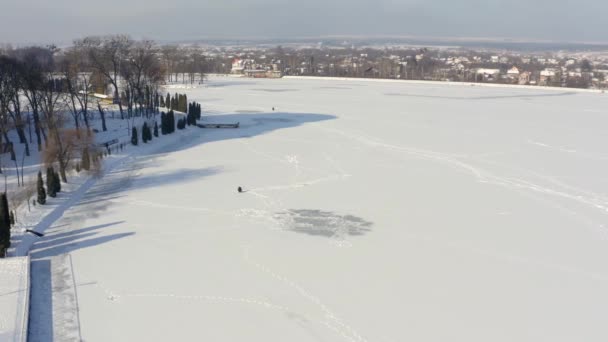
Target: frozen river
{"x": 372, "y": 211}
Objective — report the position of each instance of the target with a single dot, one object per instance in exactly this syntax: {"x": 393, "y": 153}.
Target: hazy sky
{"x": 41, "y": 21}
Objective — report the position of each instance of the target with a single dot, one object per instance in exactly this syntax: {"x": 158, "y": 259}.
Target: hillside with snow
{"x": 371, "y": 211}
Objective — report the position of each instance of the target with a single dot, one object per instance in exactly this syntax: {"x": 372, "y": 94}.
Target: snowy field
{"x": 373, "y": 212}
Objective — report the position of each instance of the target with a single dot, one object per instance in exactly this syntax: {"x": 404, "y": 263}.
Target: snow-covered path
{"x": 372, "y": 212}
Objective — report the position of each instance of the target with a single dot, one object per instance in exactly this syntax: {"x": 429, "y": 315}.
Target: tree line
{"x": 43, "y": 88}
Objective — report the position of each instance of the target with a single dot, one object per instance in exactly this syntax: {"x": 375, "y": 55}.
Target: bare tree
{"x": 53, "y": 109}
{"x": 142, "y": 74}
{"x": 169, "y": 53}
{"x": 106, "y": 55}
{"x": 77, "y": 80}
{"x": 35, "y": 62}
{"x": 7, "y": 91}
{"x": 10, "y": 102}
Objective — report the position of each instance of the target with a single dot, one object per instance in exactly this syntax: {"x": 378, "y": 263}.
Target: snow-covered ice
{"x": 372, "y": 211}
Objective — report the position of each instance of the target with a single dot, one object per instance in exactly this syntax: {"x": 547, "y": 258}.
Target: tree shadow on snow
{"x": 64, "y": 241}
{"x": 250, "y": 125}
{"x": 141, "y": 174}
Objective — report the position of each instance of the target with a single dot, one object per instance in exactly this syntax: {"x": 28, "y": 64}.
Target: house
{"x": 482, "y": 74}
{"x": 547, "y": 76}
{"x": 512, "y": 75}
{"x": 513, "y": 72}
{"x": 238, "y": 66}
{"x": 524, "y": 78}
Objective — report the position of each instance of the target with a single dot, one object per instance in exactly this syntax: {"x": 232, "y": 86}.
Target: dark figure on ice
{"x": 240, "y": 189}
{"x": 273, "y": 109}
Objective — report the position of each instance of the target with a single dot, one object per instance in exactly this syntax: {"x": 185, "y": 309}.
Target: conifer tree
{"x": 41, "y": 192}
{"x": 51, "y": 187}
{"x": 134, "y": 136}
{"x": 168, "y": 101}
{"x": 5, "y": 225}
{"x": 148, "y": 133}
{"x": 171, "y": 122}
{"x": 56, "y": 182}
{"x": 163, "y": 123}
{"x": 155, "y": 129}
{"x": 12, "y": 217}
{"x": 85, "y": 164}
{"x": 144, "y": 136}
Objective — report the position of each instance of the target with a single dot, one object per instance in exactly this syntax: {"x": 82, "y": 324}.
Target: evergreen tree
{"x": 5, "y": 225}
{"x": 163, "y": 123}
{"x": 41, "y": 191}
{"x": 134, "y": 136}
{"x": 148, "y": 133}
{"x": 156, "y": 129}
{"x": 171, "y": 122}
{"x": 144, "y": 135}
{"x": 51, "y": 187}
{"x": 86, "y": 159}
{"x": 56, "y": 182}
{"x": 12, "y": 218}
{"x": 168, "y": 101}
{"x": 6, "y": 215}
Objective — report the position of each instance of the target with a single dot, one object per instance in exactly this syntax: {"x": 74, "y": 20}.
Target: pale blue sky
{"x": 27, "y": 21}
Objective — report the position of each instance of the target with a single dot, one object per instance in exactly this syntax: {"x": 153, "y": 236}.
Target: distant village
{"x": 559, "y": 69}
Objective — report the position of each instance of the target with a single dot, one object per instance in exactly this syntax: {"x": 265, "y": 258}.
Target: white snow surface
{"x": 372, "y": 212}
{"x": 14, "y": 299}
